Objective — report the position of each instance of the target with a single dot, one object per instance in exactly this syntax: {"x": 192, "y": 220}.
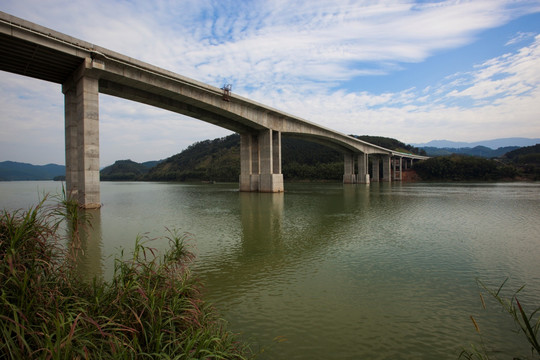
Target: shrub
{"x": 152, "y": 307}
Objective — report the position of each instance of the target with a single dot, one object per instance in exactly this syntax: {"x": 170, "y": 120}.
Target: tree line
{"x": 522, "y": 163}
{"x": 219, "y": 160}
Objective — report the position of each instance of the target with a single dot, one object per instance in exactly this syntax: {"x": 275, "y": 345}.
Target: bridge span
{"x": 84, "y": 70}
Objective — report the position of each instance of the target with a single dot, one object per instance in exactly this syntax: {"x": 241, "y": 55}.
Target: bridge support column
{"x": 247, "y": 180}
{"x": 363, "y": 169}
{"x": 81, "y": 98}
{"x": 348, "y": 175}
{"x": 397, "y": 165}
{"x": 260, "y": 162}
{"x": 271, "y": 178}
{"x": 386, "y": 167}
{"x": 375, "y": 165}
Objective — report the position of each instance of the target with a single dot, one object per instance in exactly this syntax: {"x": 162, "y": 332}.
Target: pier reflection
{"x": 85, "y": 245}
{"x": 262, "y": 219}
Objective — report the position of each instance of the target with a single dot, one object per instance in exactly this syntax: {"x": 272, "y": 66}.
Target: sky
{"x": 412, "y": 70}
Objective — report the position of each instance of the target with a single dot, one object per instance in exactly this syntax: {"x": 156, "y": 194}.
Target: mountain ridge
{"x": 294, "y": 160}
{"x": 17, "y": 171}
{"x": 492, "y": 144}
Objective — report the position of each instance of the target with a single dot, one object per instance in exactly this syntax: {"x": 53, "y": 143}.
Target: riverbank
{"x": 152, "y": 307}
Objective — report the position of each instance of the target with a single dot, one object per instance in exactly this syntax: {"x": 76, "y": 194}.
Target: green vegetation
{"x": 527, "y": 325}
{"x": 307, "y": 160}
{"x": 209, "y": 160}
{"x": 529, "y": 155}
{"x": 522, "y": 163}
{"x": 124, "y": 170}
{"x": 527, "y": 160}
{"x": 391, "y": 144}
{"x": 219, "y": 160}
{"x": 151, "y": 309}
{"x": 463, "y": 168}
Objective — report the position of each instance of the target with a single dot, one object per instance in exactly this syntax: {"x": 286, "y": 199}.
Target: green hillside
{"x": 219, "y": 160}
{"x": 125, "y": 170}
{"x": 529, "y": 155}
{"x": 463, "y": 168}
{"x": 390, "y": 143}
{"x": 209, "y": 160}
{"x": 527, "y": 161}
{"x": 522, "y": 163}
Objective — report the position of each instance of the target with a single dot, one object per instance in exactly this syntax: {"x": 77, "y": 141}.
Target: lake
{"x": 333, "y": 271}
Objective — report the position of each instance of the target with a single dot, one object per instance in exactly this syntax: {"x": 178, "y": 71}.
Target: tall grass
{"x": 527, "y": 325}
{"x": 151, "y": 309}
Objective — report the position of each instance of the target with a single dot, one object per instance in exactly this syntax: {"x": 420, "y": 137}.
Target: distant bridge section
{"x": 84, "y": 70}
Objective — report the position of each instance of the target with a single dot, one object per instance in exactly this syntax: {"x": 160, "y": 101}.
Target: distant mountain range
{"x": 14, "y": 171}
{"x": 480, "y": 151}
{"x": 492, "y": 144}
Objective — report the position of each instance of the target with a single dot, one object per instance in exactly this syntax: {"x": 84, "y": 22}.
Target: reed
{"x": 152, "y": 308}
{"x": 527, "y": 325}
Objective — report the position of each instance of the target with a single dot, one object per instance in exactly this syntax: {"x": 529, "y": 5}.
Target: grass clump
{"x": 526, "y": 325}
{"x": 152, "y": 307}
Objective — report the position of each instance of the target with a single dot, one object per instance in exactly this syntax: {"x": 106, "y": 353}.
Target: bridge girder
{"x": 32, "y": 50}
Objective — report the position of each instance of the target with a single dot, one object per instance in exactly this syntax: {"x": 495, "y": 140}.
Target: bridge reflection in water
{"x": 85, "y": 245}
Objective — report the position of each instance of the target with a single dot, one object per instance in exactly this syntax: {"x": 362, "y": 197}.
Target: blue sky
{"x": 415, "y": 71}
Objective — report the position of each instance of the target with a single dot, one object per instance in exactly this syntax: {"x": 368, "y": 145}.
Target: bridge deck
{"x": 85, "y": 69}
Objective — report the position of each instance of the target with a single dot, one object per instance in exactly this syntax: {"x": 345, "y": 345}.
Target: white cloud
{"x": 519, "y": 37}
{"x": 294, "y": 56}
{"x": 505, "y": 76}
{"x": 504, "y": 95}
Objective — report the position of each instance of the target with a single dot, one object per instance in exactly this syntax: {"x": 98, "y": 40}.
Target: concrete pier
{"x": 84, "y": 70}
{"x": 81, "y": 94}
{"x": 387, "y": 170}
{"x": 260, "y": 162}
{"x": 271, "y": 178}
{"x": 375, "y": 168}
{"x": 397, "y": 168}
{"x": 349, "y": 177}
{"x": 363, "y": 169}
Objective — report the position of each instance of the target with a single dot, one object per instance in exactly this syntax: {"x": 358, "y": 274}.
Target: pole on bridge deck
{"x": 81, "y": 96}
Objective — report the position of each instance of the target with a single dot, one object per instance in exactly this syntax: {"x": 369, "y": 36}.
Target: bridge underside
{"x": 31, "y": 59}
{"x": 260, "y": 150}
{"x": 84, "y": 70}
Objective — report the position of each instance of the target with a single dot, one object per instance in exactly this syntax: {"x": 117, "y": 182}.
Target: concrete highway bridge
{"x": 84, "y": 70}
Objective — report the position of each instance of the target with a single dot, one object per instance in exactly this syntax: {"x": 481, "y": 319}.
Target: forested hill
{"x": 210, "y": 160}
{"x": 126, "y": 170}
{"x": 520, "y": 164}
{"x": 219, "y": 160}
{"x": 390, "y": 143}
